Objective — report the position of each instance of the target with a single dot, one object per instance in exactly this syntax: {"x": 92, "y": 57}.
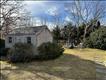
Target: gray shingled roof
{"x": 27, "y": 30}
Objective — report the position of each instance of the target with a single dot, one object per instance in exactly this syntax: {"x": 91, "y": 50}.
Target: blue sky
{"x": 48, "y": 9}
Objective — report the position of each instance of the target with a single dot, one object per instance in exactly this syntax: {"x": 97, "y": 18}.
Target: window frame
{"x": 29, "y": 40}
{"x": 9, "y": 39}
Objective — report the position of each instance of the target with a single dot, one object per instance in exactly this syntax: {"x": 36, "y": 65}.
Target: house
{"x": 32, "y": 35}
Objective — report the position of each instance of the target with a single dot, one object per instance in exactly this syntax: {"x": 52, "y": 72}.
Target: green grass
{"x": 88, "y": 53}
{"x": 74, "y": 64}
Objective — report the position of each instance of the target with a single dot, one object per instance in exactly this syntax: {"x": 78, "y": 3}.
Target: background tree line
{"x": 73, "y": 34}
{"x": 85, "y": 19}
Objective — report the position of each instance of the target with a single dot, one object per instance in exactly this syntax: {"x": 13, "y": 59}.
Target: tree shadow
{"x": 2, "y": 77}
{"x": 67, "y": 67}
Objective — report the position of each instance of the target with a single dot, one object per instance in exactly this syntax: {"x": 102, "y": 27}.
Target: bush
{"x": 2, "y": 47}
{"x": 97, "y": 39}
{"x": 2, "y": 43}
{"x": 21, "y": 52}
{"x": 49, "y": 51}
{"x": 4, "y": 51}
{"x": 88, "y": 43}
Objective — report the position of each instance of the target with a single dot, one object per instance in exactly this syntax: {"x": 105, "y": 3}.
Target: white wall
{"x": 44, "y": 36}
{"x": 19, "y": 38}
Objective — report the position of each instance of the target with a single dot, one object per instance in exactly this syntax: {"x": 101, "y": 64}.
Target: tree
{"x": 92, "y": 27}
{"x": 69, "y": 33}
{"x": 11, "y": 11}
{"x": 85, "y": 11}
{"x": 97, "y": 39}
{"x": 8, "y": 10}
{"x": 56, "y": 34}
{"x": 80, "y": 32}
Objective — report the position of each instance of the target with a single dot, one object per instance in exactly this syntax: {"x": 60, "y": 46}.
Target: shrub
{"x": 21, "y": 52}
{"x": 2, "y": 47}
{"x": 2, "y": 43}
{"x": 49, "y": 51}
{"x": 4, "y": 51}
{"x": 88, "y": 43}
{"x": 97, "y": 39}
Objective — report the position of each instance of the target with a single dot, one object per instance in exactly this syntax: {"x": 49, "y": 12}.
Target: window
{"x": 10, "y": 39}
{"x": 29, "y": 40}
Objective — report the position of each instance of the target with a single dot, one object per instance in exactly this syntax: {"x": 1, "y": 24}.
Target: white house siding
{"x": 44, "y": 36}
{"x": 19, "y": 38}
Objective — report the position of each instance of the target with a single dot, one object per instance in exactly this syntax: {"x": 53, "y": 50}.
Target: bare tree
{"x": 24, "y": 19}
{"x": 57, "y": 18}
{"x": 9, "y": 14}
{"x": 43, "y": 20}
{"x": 85, "y": 11}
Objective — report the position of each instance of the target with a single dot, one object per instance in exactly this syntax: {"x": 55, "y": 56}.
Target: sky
{"x": 41, "y": 10}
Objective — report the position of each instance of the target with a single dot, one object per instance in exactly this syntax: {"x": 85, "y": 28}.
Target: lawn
{"x": 75, "y": 64}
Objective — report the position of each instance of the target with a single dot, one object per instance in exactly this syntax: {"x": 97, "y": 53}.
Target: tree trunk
{"x": 85, "y": 32}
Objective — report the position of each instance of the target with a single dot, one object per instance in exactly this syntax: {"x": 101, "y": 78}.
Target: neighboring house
{"x": 32, "y": 35}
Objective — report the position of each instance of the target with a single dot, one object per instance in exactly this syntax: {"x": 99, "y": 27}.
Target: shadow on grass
{"x": 66, "y": 67}
{"x": 2, "y": 77}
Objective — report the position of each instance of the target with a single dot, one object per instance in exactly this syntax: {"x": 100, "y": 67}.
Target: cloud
{"x": 50, "y": 25}
{"x": 67, "y": 18}
{"x": 35, "y": 7}
{"x": 49, "y": 9}
{"x": 52, "y": 11}
{"x": 36, "y": 21}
